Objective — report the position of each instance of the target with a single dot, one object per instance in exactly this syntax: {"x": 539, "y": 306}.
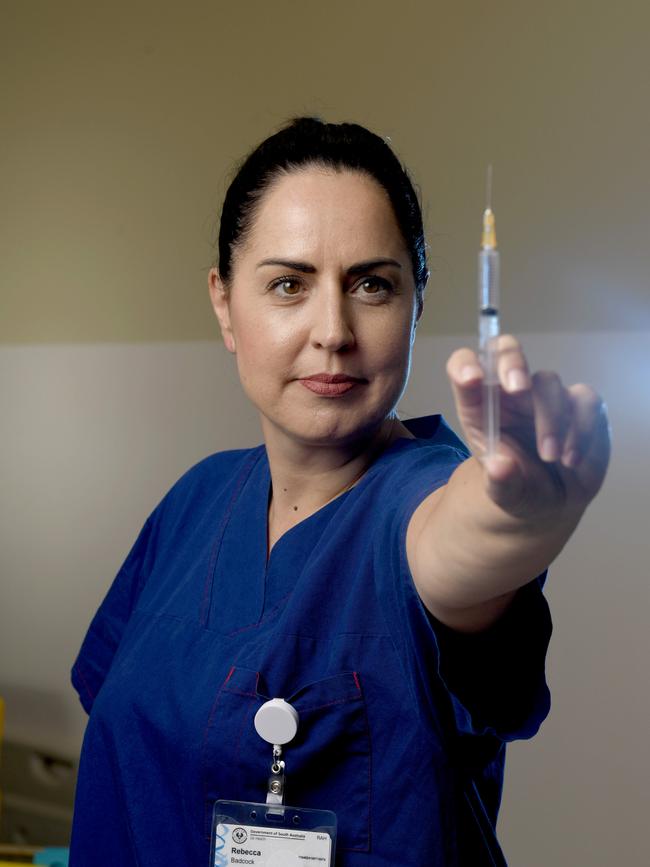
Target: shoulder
{"x": 421, "y": 464}
{"x": 406, "y": 474}
{"x": 434, "y": 430}
{"x": 218, "y": 468}
{"x": 209, "y": 480}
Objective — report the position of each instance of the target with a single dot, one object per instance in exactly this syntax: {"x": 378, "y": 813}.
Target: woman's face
{"x": 322, "y": 286}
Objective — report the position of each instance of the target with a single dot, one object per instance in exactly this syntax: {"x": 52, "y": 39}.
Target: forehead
{"x": 314, "y": 212}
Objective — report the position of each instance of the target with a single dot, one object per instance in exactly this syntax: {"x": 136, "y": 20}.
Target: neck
{"x": 306, "y": 477}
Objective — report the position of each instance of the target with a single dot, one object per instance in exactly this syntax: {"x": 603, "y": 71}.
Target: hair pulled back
{"x": 309, "y": 141}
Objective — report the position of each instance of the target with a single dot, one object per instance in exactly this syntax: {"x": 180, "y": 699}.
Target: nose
{"x": 332, "y": 326}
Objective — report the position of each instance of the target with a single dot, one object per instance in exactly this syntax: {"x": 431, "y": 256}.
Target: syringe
{"x": 488, "y": 300}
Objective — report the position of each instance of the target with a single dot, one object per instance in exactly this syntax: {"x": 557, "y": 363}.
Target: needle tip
{"x": 489, "y": 238}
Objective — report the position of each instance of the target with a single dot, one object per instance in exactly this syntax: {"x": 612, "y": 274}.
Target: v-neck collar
{"x": 424, "y": 427}
{"x": 243, "y": 547}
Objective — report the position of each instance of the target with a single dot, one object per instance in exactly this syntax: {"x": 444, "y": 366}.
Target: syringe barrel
{"x": 488, "y": 280}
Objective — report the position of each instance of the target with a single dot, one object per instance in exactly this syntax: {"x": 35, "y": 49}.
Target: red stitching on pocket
{"x": 234, "y": 690}
{"x": 330, "y": 703}
{"x": 241, "y": 692}
{"x": 356, "y": 680}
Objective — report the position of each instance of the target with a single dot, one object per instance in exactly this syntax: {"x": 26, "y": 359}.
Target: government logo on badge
{"x": 239, "y": 835}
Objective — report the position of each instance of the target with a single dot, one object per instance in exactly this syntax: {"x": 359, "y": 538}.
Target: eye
{"x": 286, "y": 287}
{"x": 375, "y": 286}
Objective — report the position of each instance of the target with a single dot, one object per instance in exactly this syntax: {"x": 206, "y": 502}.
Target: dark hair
{"x": 309, "y": 141}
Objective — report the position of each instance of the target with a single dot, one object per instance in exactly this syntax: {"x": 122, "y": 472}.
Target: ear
{"x": 419, "y": 307}
{"x": 219, "y": 297}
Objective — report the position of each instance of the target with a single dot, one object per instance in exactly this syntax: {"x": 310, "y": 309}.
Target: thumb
{"x": 505, "y": 483}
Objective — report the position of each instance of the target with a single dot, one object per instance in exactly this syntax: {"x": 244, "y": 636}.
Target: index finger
{"x": 466, "y": 376}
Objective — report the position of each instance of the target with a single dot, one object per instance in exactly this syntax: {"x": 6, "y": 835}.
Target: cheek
{"x": 265, "y": 345}
{"x": 247, "y": 328}
{"x": 390, "y": 345}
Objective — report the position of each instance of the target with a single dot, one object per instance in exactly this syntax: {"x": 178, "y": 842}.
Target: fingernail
{"x": 470, "y": 372}
{"x": 517, "y": 380}
{"x": 571, "y": 459}
{"x": 550, "y": 450}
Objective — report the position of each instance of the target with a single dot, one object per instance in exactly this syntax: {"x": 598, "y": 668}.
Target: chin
{"x": 327, "y": 427}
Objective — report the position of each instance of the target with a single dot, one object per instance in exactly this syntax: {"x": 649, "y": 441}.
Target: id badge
{"x": 265, "y": 835}
{"x": 272, "y": 834}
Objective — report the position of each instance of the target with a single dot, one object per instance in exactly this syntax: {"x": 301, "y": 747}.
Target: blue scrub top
{"x": 403, "y": 723}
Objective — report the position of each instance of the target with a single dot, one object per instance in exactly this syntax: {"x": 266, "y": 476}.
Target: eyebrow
{"x": 305, "y": 268}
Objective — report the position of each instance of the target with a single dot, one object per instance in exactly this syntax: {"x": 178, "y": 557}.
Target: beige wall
{"x": 121, "y": 120}
{"x": 120, "y": 123}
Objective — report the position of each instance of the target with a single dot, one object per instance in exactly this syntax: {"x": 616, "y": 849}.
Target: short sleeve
{"x": 107, "y": 627}
{"x": 496, "y": 677}
{"x": 489, "y": 683}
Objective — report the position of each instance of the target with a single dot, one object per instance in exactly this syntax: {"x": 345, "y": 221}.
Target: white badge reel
{"x": 272, "y": 835}
{"x": 276, "y": 722}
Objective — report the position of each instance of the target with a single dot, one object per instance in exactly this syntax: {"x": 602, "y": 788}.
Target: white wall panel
{"x": 93, "y": 435}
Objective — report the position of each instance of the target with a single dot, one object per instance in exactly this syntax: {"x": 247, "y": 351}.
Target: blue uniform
{"x": 403, "y": 723}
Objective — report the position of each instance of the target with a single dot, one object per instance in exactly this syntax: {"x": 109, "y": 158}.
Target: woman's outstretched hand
{"x": 554, "y": 440}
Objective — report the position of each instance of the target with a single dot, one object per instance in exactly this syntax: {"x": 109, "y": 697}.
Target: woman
{"x": 366, "y": 570}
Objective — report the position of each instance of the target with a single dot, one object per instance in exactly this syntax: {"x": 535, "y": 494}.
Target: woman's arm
{"x": 499, "y": 522}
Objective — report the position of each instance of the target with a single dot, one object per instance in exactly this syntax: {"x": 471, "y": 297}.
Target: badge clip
{"x": 276, "y": 722}
{"x": 275, "y": 789}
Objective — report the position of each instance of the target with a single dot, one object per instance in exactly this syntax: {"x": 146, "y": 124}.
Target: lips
{"x": 330, "y": 384}
{"x": 332, "y": 377}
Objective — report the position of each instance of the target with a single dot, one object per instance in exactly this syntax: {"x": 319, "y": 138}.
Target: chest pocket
{"x": 327, "y": 763}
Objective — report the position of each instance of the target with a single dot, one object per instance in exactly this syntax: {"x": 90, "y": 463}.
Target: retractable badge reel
{"x": 276, "y": 722}
{"x": 272, "y": 834}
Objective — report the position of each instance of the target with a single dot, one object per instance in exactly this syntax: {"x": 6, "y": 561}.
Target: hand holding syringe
{"x": 538, "y": 442}
{"x": 538, "y": 454}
